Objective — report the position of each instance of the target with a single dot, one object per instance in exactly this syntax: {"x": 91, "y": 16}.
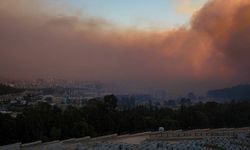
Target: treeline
{"x": 5, "y": 89}
{"x": 99, "y": 117}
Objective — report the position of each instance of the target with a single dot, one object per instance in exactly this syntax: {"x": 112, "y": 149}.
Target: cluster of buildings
{"x": 54, "y": 92}
{"x": 76, "y": 93}
{"x": 157, "y": 98}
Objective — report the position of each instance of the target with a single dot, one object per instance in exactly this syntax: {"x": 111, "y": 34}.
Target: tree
{"x": 55, "y": 133}
{"x": 110, "y": 102}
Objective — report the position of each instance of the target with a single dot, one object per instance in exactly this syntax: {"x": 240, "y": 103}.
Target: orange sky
{"x": 213, "y": 51}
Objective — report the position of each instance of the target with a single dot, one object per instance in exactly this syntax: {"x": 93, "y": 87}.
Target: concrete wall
{"x": 15, "y": 146}
{"x": 71, "y": 144}
{"x": 199, "y": 133}
{"x": 55, "y": 145}
{"x": 132, "y": 138}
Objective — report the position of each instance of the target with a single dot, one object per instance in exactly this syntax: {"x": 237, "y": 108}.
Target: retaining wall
{"x": 71, "y": 144}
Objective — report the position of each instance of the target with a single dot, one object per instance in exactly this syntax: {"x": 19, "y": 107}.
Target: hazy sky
{"x": 160, "y": 14}
{"x": 179, "y": 45}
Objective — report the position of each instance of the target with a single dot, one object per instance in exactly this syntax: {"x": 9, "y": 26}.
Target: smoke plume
{"x": 213, "y": 51}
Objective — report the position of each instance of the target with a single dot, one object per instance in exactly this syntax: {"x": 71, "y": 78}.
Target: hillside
{"x": 240, "y": 92}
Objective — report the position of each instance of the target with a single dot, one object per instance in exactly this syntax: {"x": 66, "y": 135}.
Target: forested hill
{"x": 4, "y": 89}
{"x": 240, "y": 92}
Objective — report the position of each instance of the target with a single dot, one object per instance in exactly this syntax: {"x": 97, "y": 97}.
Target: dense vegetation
{"x": 4, "y": 89}
{"x": 100, "y": 117}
